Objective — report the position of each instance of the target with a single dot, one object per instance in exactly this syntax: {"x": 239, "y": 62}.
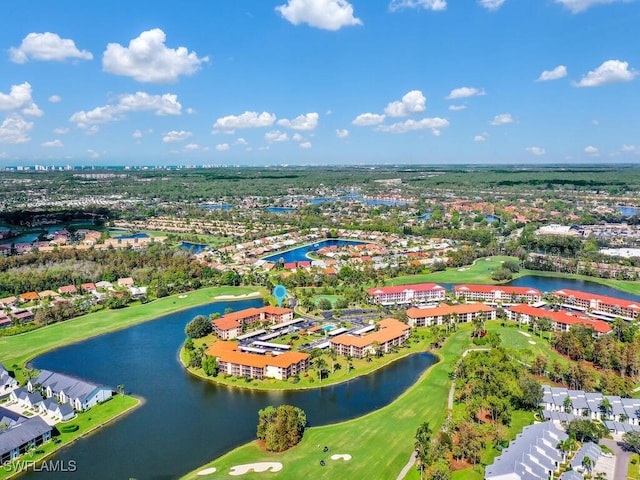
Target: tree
{"x": 210, "y": 366}
{"x": 587, "y": 464}
{"x": 586, "y": 430}
{"x": 319, "y": 364}
{"x": 531, "y": 393}
{"x": 333, "y": 355}
{"x": 605, "y": 407}
{"x": 121, "y": 388}
{"x": 422, "y": 443}
{"x": 281, "y": 427}
{"x": 199, "y": 327}
{"x": 632, "y": 441}
{"x": 324, "y": 304}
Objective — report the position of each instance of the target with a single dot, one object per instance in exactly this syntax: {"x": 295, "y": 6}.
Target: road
{"x": 621, "y": 460}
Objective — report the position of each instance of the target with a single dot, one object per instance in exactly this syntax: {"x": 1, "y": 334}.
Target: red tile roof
{"x": 562, "y": 317}
{"x": 417, "y": 287}
{"x": 495, "y": 288}
{"x": 448, "y": 310}
{"x": 600, "y": 298}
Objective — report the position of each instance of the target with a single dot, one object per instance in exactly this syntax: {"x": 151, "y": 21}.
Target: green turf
{"x": 634, "y": 467}
{"x": 380, "y": 442}
{"x": 479, "y": 272}
{"x": 19, "y": 349}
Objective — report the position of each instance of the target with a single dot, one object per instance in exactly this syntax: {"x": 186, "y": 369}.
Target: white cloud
{"x": 15, "y": 129}
{"x": 456, "y": 108}
{"x": 502, "y": 119}
{"x": 537, "y": 151}
{"x": 629, "y": 148}
{"x": 366, "y": 119}
{"x": 137, "y": 134}
{"x": 591, "y": 150}
{"x": 175, "y": 136}
{"x": 301, "y": 122}
{"x": 222, "y": 147}
{"x": 577, "y": 6}
{"x": 342, "y": 133}
{"x": 241, "y": 141}
{"x": 230, "y": 123}
{"x": 148, "y": 59}
{"x": 191, "y": 146}
{"x": 324, "y": 14}
{"x": 93, "y": 154}
{"x": 19, "y": 98}
{"x": 61, "y": 130}
{"x": 491, "y": 4}
{"x": 559, "y": 72}
{"x": 276, "y": 136}
{"x": 53, "y": 143}
{"x": 305, "y": 145}
{"x": 92, "y": 130}
{"x": 611, "y": 71}
{"x": 464, "y": 92}
{"x": 191, "y": 111}
{"x": 47, "y": 46}
{"x": 413, "y": 102}
{"x": 297, "y": 137}
{"x": 55, "y": 98}
{"x": 435, "y": 124}
{"x": 434, "y": 5}
{"x": 481, "y": 138}
{"x": 166, "y": 104}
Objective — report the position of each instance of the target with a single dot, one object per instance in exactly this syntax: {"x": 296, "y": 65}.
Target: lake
{"x": 300, "y": 254}
{"x": 185, "y": 421}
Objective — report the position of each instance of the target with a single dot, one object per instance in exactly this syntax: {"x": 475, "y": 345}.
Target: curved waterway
{"x": 187, "y": 422}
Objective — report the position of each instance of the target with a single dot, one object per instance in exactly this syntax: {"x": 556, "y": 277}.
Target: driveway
{"x": 621, "y": 458}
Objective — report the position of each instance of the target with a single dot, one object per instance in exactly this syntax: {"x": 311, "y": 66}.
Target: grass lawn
{"x": 17, "y": 350}
{"x": 380, "y": 442}
{"x": 418, "y": 343}
{"x": 86, "y": 422}
{"x": 634, "y": 467}
{"x": 331, "y": 298}
{"x": 479, "y": 272}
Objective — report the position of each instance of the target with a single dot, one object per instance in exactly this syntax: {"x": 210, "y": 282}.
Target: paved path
{"x": 621, "y": 457}
{"x": 412, "y": 459}
{"x": 407, "y": 467}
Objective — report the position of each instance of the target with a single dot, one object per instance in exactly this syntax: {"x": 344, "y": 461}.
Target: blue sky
{"x": 319, "y": 82}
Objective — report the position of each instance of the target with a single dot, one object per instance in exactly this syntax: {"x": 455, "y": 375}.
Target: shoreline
{"x": 293, "y": 387}
{"x": 306, "y": 244}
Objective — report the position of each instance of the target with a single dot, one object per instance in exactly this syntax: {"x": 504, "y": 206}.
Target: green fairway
{"x": 380, "y": 442}
{"x": 479, "y": 272}
{"x": 18, "y": 349}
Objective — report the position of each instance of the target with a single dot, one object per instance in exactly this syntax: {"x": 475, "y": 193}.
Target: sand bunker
{"x": 182, "y": 296}
{"x": 256, "y": 467}
{"x": 344, "y": 456}
{"x": 524, "y": 333}
{"x": 532, "y": 342}
{"x": 207, "y": 471}
{"x": 229, "y": 297}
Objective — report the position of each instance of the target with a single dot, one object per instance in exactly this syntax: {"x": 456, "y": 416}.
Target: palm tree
{"x": 423, "y": 439}
{"x": 319, "y": 364}
{"x": 121, "y": 388}
{"x": 606, "y": 407}
{"x": 587, "y": 464}
{"x": 333, "y": 356}
{"x": 568, "y": 405}
{"x": 478, "y": 324}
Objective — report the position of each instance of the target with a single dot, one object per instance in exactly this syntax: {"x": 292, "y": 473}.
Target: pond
{"x": 185, "y": 421}
{"x": 300, "y": 254}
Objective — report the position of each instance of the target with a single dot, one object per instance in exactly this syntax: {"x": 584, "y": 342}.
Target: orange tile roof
{"x": 227, "y": 352}
{"x": 275, "y": 310}
{"x": 600, "y": 298}
{"x": 448, "y": 310}
{"x": 246, "y": 313}
{"x": 495, "y": 288}
{"x": 390, "y": 328}
{"x": 29, "y": 296}
{"x": 225, "y": 323}
{"x": 562, "y": 317}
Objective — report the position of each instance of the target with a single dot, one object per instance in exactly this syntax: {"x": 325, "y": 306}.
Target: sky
{"x": 319, "y": 82}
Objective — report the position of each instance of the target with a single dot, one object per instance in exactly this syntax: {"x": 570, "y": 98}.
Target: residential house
{"x": 467, "y": 312}
{"x": 8, "y": 302}
{"x": 125, "y": 282}
{"x": 561, "y": 321}
{"x": 5, "y": 320}
{"x": 22, "y": 436}
{"x": 68, "y": 290}
{"x": 416, "y": 293}
{"x": 89, "y": 287}
{"x": 26, "y": 398}
{"x": 231, "y": 361}
{"x": 51, "y": 407}
{"x": 6, "y": 381}
{"x": 533, "y": 454}
{"x": 391, "y": 333}
{"x": 29, "y": 297}
{"x": 497, "y": 293}
{"x": 22, "y": 315}
{"x": 229, "y": 326}
{"x": 80, "y": 394}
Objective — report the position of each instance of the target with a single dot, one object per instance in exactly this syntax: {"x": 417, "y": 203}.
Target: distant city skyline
{"x": 319, "y": 82}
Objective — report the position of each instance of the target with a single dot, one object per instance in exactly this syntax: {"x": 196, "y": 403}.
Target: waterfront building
{"x": 401, "y": 294}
